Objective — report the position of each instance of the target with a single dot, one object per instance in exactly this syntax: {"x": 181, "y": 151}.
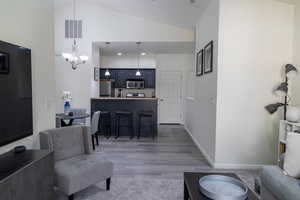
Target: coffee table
{"x": 191, "y": 186}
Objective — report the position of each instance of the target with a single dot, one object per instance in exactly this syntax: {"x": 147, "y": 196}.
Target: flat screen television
{"x": 15, "y": 93}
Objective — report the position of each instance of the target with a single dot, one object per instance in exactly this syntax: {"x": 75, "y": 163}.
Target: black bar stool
{"x": 149, "y": 115}
{"x": 124, "y": 115}
{"x": 105, "y": 123}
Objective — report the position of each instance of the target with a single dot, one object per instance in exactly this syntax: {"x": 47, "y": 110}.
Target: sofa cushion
{"x": 281, "y": 186}
{"x": 80, "y": 172}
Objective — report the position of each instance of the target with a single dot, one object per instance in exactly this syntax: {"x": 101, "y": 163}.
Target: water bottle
{"x": 67, "y": 108}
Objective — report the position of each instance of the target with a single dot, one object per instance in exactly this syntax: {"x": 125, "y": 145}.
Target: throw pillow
{"x": 292, "y": 158}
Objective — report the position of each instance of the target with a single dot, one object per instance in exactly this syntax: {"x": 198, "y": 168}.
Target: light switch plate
{"x": 96, "y": 73}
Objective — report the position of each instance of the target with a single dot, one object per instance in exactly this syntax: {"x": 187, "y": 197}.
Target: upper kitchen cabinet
{"x": 122, "y": 75}
{"x": 149, "y": 77}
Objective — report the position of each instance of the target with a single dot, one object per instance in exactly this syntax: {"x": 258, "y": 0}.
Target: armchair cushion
{"x": 79, "y": 172}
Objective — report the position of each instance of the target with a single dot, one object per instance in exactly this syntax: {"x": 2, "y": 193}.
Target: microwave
{"x": 135, "y": 84}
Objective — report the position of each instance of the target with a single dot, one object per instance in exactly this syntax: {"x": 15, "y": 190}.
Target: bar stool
{"x": 105, "y": 123}
{"x": 124, "y": 115}
{"x": 149, "y": 115}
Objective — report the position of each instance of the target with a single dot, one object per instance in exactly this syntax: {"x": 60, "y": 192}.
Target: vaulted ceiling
{"x": 182, "y": 13}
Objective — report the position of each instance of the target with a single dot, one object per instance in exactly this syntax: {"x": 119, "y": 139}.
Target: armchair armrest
{"x": 87, "y": 139}
{"x": 46, "y": 141}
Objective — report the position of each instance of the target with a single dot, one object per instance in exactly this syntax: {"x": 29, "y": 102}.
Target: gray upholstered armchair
{"x": 75, "y": 167}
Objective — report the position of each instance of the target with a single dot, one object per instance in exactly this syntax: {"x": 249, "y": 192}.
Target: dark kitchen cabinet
{"x": 122, "y": 75}
{"x": 149, "y": 77}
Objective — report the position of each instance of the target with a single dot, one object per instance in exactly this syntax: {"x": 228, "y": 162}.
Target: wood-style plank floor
{"x": 151, "y": 169}
{"x": 171, "y": 153}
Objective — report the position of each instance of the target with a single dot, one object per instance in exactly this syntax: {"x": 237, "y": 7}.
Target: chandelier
{"x": 74, "y": 58}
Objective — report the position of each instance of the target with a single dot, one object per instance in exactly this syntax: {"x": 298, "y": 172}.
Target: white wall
{"x": 201, "y": 104}
{"x": 255, "y": 42}
{"x": 296, "y": 82}
{"x": 100, "y": 24}
{"x": 30, "y": 23}
{"x": 127, "y": 61}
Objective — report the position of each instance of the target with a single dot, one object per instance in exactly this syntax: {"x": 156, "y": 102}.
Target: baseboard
{"x": 238, "y": 166}
{"x": 222, "y": 165}
{"x": 203, "y": 151}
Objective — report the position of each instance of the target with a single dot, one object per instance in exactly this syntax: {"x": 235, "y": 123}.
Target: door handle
{"x": 161, "y": 99}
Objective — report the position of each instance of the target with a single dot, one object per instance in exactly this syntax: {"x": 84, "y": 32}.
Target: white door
{"x": 170, "y": 97}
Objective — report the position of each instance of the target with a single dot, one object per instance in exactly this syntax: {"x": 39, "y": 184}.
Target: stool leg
{"x": 109, "y": 135}
{"x": 93, "y": 142}
{"x": 108, "y": 184}
{"x": 116, "y": 127}
{"x": 153, "y": 127}
{"x": 106, "y": 131}
{"x": 131, "y": 127}
{"x": 110, "y": 126}
{"x": 97, "y": 138}
{"x": 119, "y": 126}
{"x": 139, "y": 127}
{"x": 71, "y": 197}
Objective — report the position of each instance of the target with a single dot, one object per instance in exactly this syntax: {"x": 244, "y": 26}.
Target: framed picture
{"x": 4, "y": 63}
{"x": 208, "y": 57}
{"x": 199, "y": 64}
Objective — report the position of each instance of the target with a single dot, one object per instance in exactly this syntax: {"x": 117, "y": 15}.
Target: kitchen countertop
{"x": 122, "y": 98}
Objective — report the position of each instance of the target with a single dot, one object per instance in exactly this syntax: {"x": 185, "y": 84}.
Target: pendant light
{"x": 138, "y": 72}
{"x": 107, "y": 73}
{"x": 75, "y": 58}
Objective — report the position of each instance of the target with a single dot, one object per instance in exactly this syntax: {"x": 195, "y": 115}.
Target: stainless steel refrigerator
{"x": 107, "y": 88}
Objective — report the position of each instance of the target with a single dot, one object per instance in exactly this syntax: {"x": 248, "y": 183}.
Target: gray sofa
{"x": 277, "y": 186}
{"x": 76, "y": 168}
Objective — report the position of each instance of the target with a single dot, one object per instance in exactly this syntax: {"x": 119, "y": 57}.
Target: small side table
{"x": 191, "y": 186}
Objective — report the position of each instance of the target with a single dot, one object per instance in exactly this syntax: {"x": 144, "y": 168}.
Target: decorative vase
{"x": 67, "y": 107}
{"x": 293, "y": 114}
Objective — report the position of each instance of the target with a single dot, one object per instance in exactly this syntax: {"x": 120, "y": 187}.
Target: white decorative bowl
{"x": 293, "y": 114}
{"x": 220, "y": 187}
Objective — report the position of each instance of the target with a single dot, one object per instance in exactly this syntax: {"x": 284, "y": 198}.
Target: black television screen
{"x": 15, "y": 93}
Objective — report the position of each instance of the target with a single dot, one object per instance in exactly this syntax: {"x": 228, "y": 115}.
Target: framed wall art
{"x": 199, "y": 63}
{"x": 208, "y": 57}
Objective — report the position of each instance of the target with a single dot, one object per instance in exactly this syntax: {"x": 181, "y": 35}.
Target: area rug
{"x": 133, "y": 188}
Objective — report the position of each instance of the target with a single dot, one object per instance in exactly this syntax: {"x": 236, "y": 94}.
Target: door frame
{"x": 158, "y": 75}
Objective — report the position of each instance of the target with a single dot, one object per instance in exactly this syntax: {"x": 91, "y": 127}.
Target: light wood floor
{"x": 151, "y": 170}
{"x": 171, "y": 154}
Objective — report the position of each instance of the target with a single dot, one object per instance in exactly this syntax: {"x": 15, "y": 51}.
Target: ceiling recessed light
{"x": 143, "y": 54}
{"x": 120, "y": 54}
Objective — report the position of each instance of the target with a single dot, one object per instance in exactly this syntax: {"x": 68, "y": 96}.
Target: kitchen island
{"x": 134, "y": 105}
